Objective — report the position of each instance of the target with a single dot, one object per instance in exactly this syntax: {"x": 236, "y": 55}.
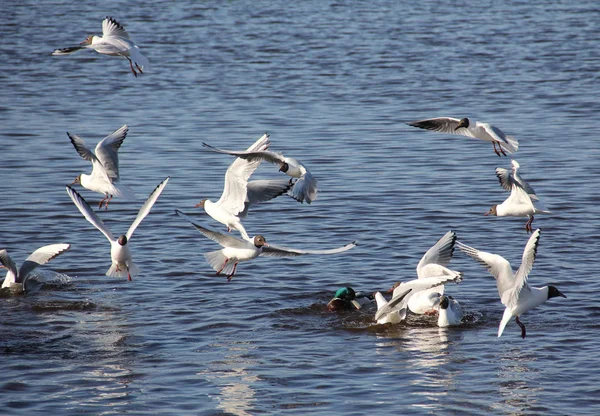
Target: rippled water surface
{"x": 332, "y": 82}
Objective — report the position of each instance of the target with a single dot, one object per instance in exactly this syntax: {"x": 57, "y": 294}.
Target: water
{"x": 332, "y": 83}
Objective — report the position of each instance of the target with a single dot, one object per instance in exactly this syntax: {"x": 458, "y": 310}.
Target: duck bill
{"x": 356, "y": 304}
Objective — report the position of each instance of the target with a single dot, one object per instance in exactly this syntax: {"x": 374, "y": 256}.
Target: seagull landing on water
{"x": 236, "y": 250}
{"x": 16, "y": 280}
{"x": 515, "y": 293}
{"x": 105, "y": 177}
{"x": 471, "y": 128}
{"x": 432, "y": 264}
{"x": 122, "y": 261}
{"x": 114, "y": 42}
{"x": 305, "y": 187}
{"x": 522, "y": 201}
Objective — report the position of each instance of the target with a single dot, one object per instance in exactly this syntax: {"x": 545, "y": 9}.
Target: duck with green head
{"x": 346, "y": 299}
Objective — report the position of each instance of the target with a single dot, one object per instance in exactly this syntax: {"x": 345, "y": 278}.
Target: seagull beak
{"x": 486, "y": 214}
{"x": 266, "y": 244}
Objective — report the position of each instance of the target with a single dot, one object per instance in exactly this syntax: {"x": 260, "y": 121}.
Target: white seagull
{"x": 432, "y": 264}
{"x": 236, "y": 250}
{"x": 450, "y": 312}
{"x": 105, "y": 177}
{"x": 122, "y": 261}
{"x": 16, "y": 280}
{"x": 114, "y": 42}
{"x": 522, "y": 201}
{"x": 305, "y": 187}
{"x": 471, "y": 128}
{"x": 515, "y": 293}
{"x": 239, "y": 194}
{"x": 403, "y": 293}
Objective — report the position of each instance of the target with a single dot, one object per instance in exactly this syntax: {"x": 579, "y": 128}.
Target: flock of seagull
{"x": 423, "y": 295}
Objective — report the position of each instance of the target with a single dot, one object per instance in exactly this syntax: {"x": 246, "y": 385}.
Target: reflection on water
{"x": 231, "y": 376}
{"x": 519, "y": 386}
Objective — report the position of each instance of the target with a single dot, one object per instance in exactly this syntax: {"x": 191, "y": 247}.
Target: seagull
{"x": 236, "y": 250}
{"x": 122, "y": 261}
{"x": 305, "y": 187}
{"x": 433, "y": 263}
{"x": 239, "y": 194}
{"x": 471, "y": 128}
{"x": 390, "y": 318}
{"x": 114, "y": 42}
{"x": 515, "y": 293}
{"x": 105, "y": 177}
{"x": 522, "y": 200}
{"x": 16, "y": 280}
{"x": 450, "y": 312}
{"x": 346, "y": 298}
{"x": 403, "y": 293}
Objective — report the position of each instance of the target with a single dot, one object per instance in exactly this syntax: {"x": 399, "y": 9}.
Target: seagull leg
{"x": 129, "y": 275}
{"x": 496, "y": 151}
{"x": 107, "y": 201}
{"x": 528, "y": 226}
{"x": 232, "y": 273}
{"x": 131, "y": 66}
{"x": 102, "y": 201}
{"x": 501, "y": 149}
{"x": 222, "y": 267}
{"x": 138, "y": 68}
{"x": 523, "y": 332}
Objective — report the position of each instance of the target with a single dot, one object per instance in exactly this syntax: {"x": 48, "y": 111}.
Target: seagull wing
{"x": 511, "y": 296}
{"x": 251, "y": 156}
{"x": 446, "y": 125}
{"x": 497, "y": 265}
{"x": 67, "y": 51}
{"x": 8, "y": 262}
{"x": 41, "y": 256}
{"x": 264, "y": 190}
{"x": 89, "y": 213}
{"x": 98, "y": 169}
{"x": 145, "y": 209}
{"x": 107, "y": 151}
{"x": 223, "y": 239}
{"x": 441, "y": 253}
{"x": 275, "y": 251}
{"x": 112, "y": 28}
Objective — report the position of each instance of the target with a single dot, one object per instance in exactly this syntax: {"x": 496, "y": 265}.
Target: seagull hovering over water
{"x": 122, "y": 261}
{"x": 432, "y": 264}
{"x": 105, "y": 177}
{"x": 522, "y": 201}
{"x": 515, "y": 293}
{"x": 471, "y": 128}
{"x": 239, "y": 194}
{"x": 114, "y": 41}
{"x": 17, "y": 280}
{"x": 305, "y": 187}
{"x": 236, "y": 250}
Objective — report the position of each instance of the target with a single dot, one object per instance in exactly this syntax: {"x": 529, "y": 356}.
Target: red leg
{"x": 528, "y": 226}
{"x": 131, "y": 66}
{"x": 495, "y": 150}
{"x": 222, "y": 267}
{"x": 139, "y": 69}
{"x": 102, "y": 202}
{"x": 501, "y": 149}
{"x": 129, "y": 276}
{"x": 107, "y": 201}
{"x": 523, "y": 332}
{"x": 232, "y": 273}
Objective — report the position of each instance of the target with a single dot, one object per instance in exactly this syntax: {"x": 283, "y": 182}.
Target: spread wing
{"x": 107, "y": 151}
{"x": 251, "y": 156}
{"x": 441, "y": 253}
{"x": 145, "y": 209}
{"x": 275, "y": 251}
{"x": 445, "y": 125}
{"x": 223, "y": 239}
{"x": 235, "y": 191}
{"x": 89, "y": 213}
{"x": 510, "y": 297}
{"x": 497, "y": 265}
{"x": 41, "y": 256}
{"x": 98, "y": 169}
{"x": 112, "y": 28}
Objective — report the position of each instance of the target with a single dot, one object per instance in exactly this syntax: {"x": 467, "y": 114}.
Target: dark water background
{"x": 332, "y": 83}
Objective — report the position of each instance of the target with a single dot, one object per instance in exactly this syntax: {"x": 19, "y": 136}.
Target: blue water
{"x": 332, "y": 82}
